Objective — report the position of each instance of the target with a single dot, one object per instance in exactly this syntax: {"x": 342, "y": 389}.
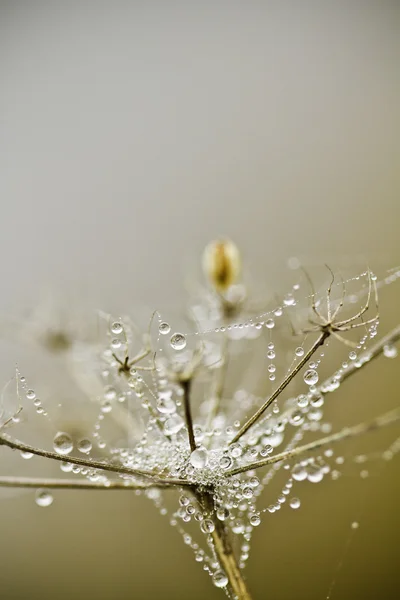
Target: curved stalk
{"x": 225, "y": 554}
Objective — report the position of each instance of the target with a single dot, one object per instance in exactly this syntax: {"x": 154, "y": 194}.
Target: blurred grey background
{"x": 132, "y": 133}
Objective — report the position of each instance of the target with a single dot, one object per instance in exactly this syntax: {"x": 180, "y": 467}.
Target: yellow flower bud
{"x": 221, "y": 264}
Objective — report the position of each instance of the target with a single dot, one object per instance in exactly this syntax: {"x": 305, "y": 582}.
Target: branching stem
{"x": 319, "y": 342}
{"x": 373, "y": 352}
{"x": 91, "y": 464}
{"x": 347, "y": 432}
{"x": 225, "y": 554}
{"x": 353, "y": 367}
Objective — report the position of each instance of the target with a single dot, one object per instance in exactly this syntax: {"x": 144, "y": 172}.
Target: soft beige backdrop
{"x": 130, "y": 134}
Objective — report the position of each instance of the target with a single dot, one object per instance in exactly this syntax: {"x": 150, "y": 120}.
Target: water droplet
{"x": 198, "y": 434}
{"x": 390, "y": 351}
{"x": 30, "y": 394}
{"x": 116, "y": 343}
{"x": 199, "y": 458}
{"x": 235, "y": 450}
{"x": 297, "y": 418}
{"x": 289, "y": 300}
{"x": 110, "y": 392}
{"x": 299, "y": 351}
{"x": 355, "y": 525}
{"x": 207, "y": 526}
{"x": 166, "y": 406}
{"x": 178, "y": 341}
{"x": 299, "y": 473}
{"x": 62, "y": 443}
{"x": 66, "y": 467}
{"x": 225, "y": 463}
{"x": 164, "y": 328}
{"x": 184, "y": 500}
{"x": 238, "y": 526}
{"x": 220, "y": 580}
{"x": 222, "y": 513}
{"x": 255, "y": 520}
{"x": 302, "y": 401}
{"x": 314, "y": 474}
{"x": 247, "y": 492}
{"x": 353, "y": 355}
{"x": 43, "y": 498}
{"x": 294, "y": 503}
{"x": 106, "y": 406}
{"x": 26, "y": 455}
{"x": 270, "y": 324}
{"x": 116, "y": 328}
{"x": 311, "y": 377}
{"x": 317, "y": 400}
{"x": 266, "y": 450}
{"x": 84, "y": 446}
{"x": 173, "y": 425}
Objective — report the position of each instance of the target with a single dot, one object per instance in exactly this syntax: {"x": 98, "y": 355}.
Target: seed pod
{"x": 221, "y": 264}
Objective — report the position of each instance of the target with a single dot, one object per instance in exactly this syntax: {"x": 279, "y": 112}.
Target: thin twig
{"x": 348, "y": 432}
{"x": 186, "y": 386}
{"x": 91, "y": 464}
{"x": 319, "y": 342}
{"x": 366, "y": 357}
{"x": 373, "y": 352}
{"x": 73, "y": 484}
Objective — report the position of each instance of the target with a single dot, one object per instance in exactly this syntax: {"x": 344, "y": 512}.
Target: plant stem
{"x": 73, "y": 484}
{"x": 224, "y": 552}
{"x": 228, "y": 562}
{"x": 365, "y": 358}
{"x": 91, "y": 464}
{"x": 186, "y": 385}
{"x": 319, "y": 342}
{"x": 381, "y": 421}
{"x": 373, "y": 352}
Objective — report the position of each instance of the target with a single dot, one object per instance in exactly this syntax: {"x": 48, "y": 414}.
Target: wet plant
{"x": 189, "y": 425}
